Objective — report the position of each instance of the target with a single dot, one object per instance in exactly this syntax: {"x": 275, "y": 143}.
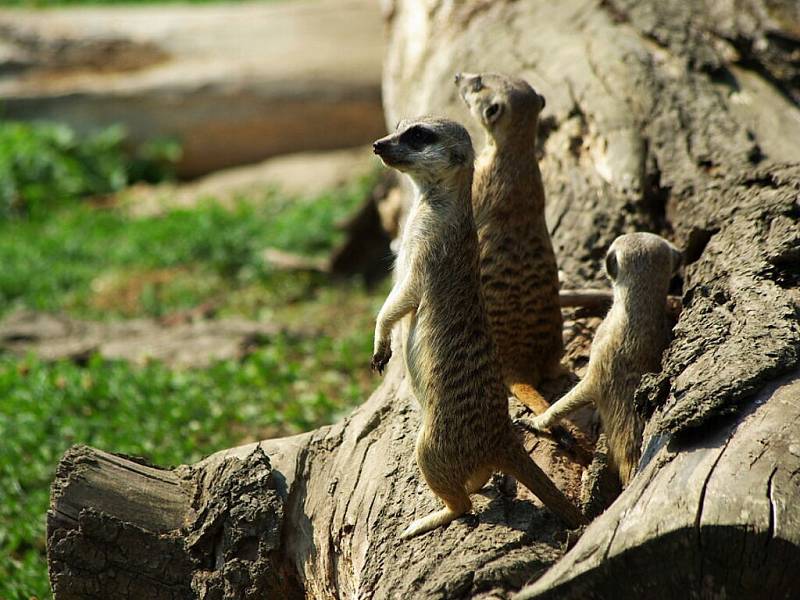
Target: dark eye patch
{"x": 418, "y": 137}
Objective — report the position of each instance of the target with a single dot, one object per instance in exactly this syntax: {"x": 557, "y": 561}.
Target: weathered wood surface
{"x": 181, "y": 340}
{"x": 317, "y": 515}
{"x": 679, "y": 118}
{"x": 714, "y": 515}
{"x": 129, "y": 515}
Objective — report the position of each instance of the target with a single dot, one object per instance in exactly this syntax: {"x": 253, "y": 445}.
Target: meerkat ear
{"x": 611, "y": 264}
{"x": 492, "y": 112}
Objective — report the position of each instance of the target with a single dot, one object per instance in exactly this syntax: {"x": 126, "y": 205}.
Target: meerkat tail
{"x": 429, "y": 523}
{"x": 521, "y": 466}
{"x": 530, "y": 397}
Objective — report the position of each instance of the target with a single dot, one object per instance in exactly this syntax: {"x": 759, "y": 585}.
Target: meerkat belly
{"x": 412, "y": 355}
{"x": 452, "y": 369}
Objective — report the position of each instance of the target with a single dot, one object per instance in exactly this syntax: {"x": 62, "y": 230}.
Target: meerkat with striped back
{"x": 466, "y": 433}
{"x": 519, "y": 275}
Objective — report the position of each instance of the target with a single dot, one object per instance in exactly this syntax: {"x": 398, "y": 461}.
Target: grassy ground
{"x": 100, "y": 263}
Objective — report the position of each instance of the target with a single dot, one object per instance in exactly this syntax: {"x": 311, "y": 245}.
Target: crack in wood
{"x": 773, "y": 513}
{"x": 699, "y": 513}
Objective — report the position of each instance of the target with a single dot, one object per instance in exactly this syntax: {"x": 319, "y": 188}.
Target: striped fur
{"x": 519, "y": 275}
{"x": 466, "y": 433}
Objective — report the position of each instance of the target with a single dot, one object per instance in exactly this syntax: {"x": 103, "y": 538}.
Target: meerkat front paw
{"x": 541, "y": 423}
{"x": 381, "y": 356}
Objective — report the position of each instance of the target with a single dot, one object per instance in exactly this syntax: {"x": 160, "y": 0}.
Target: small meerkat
{"x": 628, "y": 344}
{"x": 466, "y": 431}
{"x": 519, "y": 275}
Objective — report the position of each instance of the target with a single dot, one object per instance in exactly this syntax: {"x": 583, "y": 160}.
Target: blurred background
{"x": 191, "y": 255}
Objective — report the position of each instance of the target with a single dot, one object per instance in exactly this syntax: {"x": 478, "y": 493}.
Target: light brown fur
{"x": 519, "y": 276}
{"x": 466, "y": 431}
{"x": 628, "y": 343}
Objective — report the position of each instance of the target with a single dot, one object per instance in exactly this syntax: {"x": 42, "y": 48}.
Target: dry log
{"x": 596, "y": 302}
{"x": 186, "y": 339}
{"x": 315, "y": 515}
{"x": 715, "y": 512}
{"x": 676, "y": 117}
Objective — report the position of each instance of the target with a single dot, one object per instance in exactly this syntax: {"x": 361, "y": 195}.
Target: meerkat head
{"x": 428, "y": 149}
{"x": 641, "y": 258}
{"x": 505, "y": 106}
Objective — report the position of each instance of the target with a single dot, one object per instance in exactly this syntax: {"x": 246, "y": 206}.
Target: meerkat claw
{"x": 379, "y": 360}
{"x": 539, "y": 424}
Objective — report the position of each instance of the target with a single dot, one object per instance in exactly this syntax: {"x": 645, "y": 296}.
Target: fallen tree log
{"x": 678, "y": 118}
{"x": 316, "y": 515}
{"x": 717, "y": 512}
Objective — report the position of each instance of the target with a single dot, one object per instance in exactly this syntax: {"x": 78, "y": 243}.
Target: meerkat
{"x": 628, "y": 343}
{"x": 519, "y": 276}
{"x": 466, "y": 431}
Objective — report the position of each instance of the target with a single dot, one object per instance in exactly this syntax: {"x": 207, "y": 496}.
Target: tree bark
{"x": 674, "y": 117}
{"x": 315, "y": 515}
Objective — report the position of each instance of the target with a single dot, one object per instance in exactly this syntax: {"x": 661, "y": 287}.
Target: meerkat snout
{"x": 379, "y": 147}
{"x": 468, "y": 82}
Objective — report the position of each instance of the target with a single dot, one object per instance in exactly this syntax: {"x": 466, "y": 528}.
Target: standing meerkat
{"x": 628, "y": 344}
{"x": 466, "y": 432}
{"x": 519, "y": 275}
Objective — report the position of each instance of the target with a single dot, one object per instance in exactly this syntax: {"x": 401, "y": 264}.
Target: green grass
{"x": 178, "y": 259}
{"x": 102, "y": 263}
{"x": 170, "y": 417}
{"x": 47, "y": 165}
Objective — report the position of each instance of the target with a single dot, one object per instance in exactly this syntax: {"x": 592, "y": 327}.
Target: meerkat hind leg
{"x": 530, "y": 397}
{"x": 455, "y": 505}
{"x": 478, "y": 480}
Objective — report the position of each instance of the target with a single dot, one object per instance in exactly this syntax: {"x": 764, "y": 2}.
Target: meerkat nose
{"x": 379, "y": 146}
{"x": 458, "y": 78}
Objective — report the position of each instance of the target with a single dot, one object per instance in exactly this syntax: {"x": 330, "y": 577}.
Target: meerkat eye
{"x": 418, "y": 137}
{"x": 611, "y": 264}
{"x": 492, "y": 112}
